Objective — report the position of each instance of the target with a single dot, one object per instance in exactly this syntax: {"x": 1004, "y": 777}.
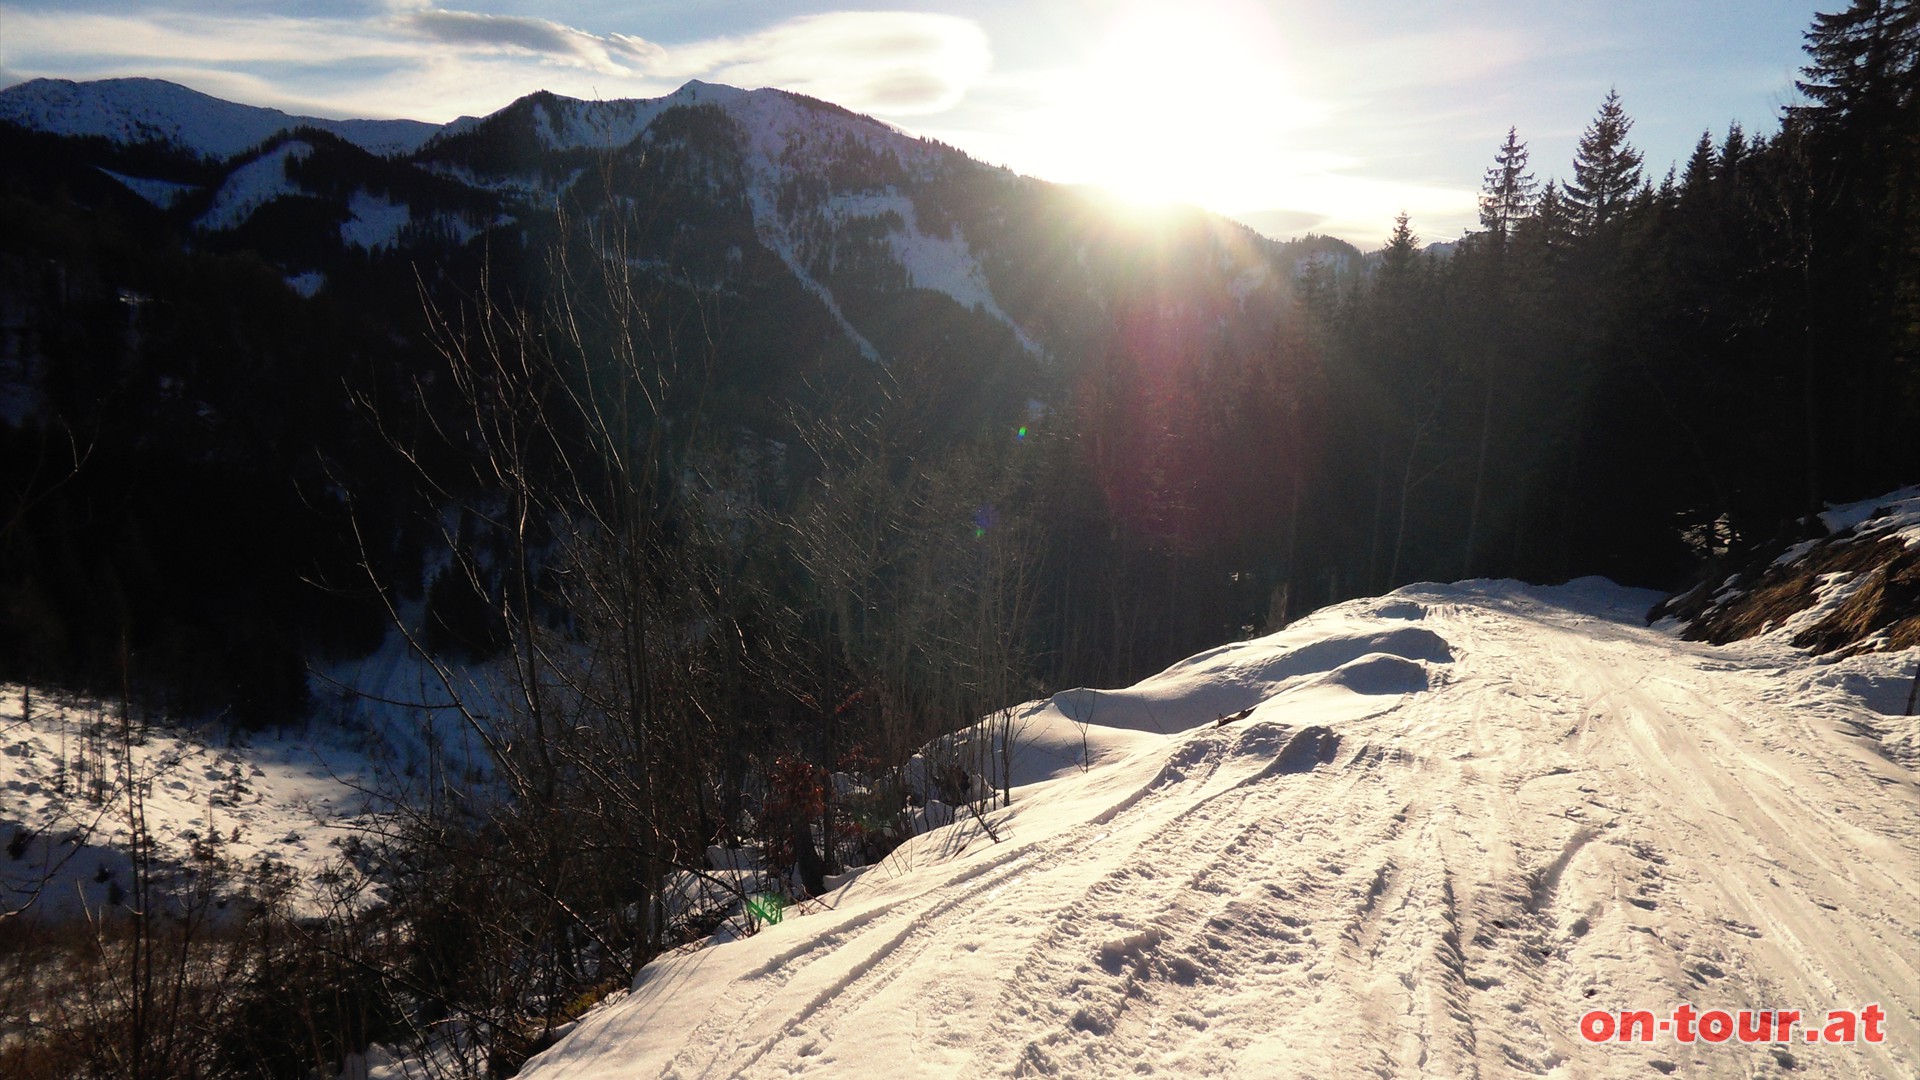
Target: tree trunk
{"x": 813, "y": 869}
{"x": 1479, "y": 482}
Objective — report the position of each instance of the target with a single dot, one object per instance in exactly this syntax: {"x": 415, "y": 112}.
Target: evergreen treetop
{"x": 1606, "y": 168}
{"x": 1508, "y": 194}
{"x": 1403, "y": 248}
{"x": 1862, "y": 61}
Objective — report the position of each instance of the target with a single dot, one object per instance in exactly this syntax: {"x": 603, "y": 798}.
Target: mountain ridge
{"x": 843, "y": 200}
{"x": 138, "y": 109}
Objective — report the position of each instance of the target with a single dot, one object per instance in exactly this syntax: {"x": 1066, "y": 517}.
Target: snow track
{"x": 1515, "y": 806}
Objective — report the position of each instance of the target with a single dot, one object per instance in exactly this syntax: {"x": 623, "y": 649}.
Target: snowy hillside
{"x": 1425, "y": 834}
{"x": 563, "y": 123}
{"x": 142, "y": 110}
{"x": 290, "y": 801}
{"x": 252, "y": 186}
{"x": 787, "y": 145}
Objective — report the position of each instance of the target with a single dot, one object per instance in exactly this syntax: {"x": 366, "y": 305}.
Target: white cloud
{"x": 50, "y": 40}
{"x": 612, "y": 53}
{"x": 892, "y": 63}
{"x": 434, "y": 63}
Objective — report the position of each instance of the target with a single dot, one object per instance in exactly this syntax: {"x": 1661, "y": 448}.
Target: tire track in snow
{"x": 1142, "y": 946}
{"x": 1535, "y": 803}
{"x": 1401, "y": 968}
{"x": 1813, "y": 883}
{"x": 1385, "y": 993}
{"x": 713, "y": 1039}
{"x": 1507, "y": 842}
{"x": 889, "y": 949}
{"x": 1678, "y": 752}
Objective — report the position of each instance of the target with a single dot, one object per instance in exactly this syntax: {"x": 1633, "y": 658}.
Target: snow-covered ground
{"x": 252, "y": 186}
{"x": 291, "y": 799}
{"x": 1423, "y": 834}
{"x": 375, "y": 222}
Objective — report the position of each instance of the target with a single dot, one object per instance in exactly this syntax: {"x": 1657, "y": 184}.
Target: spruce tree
{"x": 1507, "y": 195}
{"x": 1734, "y": 150}
{"x": 1860, "y": 138}
{"x": 1701, "y": 168}
{"x": 1606, "y": 169}
{"x": 1544, "y": 238}
{"x": 1862, "y": 64}
{"x": 1402, "y": 249}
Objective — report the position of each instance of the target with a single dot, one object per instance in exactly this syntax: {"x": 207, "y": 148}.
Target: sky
{"x": 1290, "y": 115}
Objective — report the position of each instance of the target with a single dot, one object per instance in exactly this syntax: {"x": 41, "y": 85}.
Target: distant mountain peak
{"x": 144, "y": 110}
{"x": 138, "y": 110}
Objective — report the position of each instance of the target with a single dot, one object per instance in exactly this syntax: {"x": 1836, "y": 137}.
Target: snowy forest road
{"x": 1456, "y": 820}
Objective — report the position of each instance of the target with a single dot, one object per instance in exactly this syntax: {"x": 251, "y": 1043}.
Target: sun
{"x": 1176, "y": 105}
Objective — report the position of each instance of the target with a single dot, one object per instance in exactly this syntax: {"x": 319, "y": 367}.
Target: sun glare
{"x": 1177, "y": 106}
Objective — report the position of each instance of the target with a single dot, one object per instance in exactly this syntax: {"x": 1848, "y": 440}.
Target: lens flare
{"x": 984, "y": 519}
{"x": 767, "y": 908}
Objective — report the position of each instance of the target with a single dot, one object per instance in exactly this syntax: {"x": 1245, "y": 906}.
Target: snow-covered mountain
{"x": 782, "y": 163}
{"x": 760, "y": 184}
{"x": 1428, "y": 834}
{"x": 142, "y": 110}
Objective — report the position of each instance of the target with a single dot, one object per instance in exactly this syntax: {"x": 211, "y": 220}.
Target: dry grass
{"x": 1886, "y": 603}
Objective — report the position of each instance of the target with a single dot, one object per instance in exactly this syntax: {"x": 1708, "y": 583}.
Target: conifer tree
{"x": 1606, "y": 169}
{"x": 1402, "y": 248}
{"x": 1862, "y": 64}
{"x": 1545, "y": 237}
{"x": 1734, "y": 150}
{"x": 1860, "y": 148}
{"x": 1508, "y": 193}
{"x": 1701, "y": 166}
